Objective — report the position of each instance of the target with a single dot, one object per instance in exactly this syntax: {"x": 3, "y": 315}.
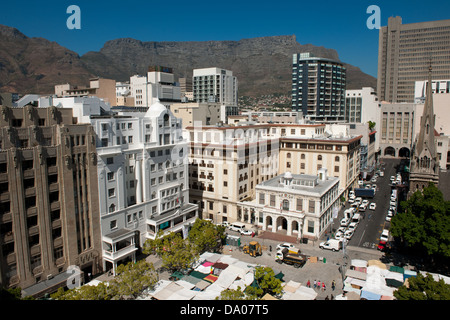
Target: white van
{"x": 237, "y": 226}
{"x": 332, "y": 244}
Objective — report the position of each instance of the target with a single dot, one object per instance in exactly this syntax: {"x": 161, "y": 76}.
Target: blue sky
{"x": 340, "y": 25}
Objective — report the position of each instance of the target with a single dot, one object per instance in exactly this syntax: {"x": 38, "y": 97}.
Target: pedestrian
{"x": 333, "y": 285}
{"x": 323, "y": 286}
{"x": 315, "y": 284}
{"x": 318, "y": 284}
{"x": 332, "y": 297}
{"x": 308, "y": 284}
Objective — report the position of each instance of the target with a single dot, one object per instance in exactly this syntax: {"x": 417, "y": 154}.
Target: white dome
{"x": 288, "y": 175}
{"x": 155, "y": 109}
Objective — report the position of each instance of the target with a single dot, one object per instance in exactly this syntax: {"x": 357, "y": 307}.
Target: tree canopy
{"x": 423, "y": 288}
{"x": 424, "y": 223}
{"x": 206, "y": 236}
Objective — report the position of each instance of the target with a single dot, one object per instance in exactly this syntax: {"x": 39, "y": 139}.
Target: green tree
{"x": 424, "y": 223}
{"x": 423, "y": 288}
{"x": 265, "y": 282}
{"x": 232, "y": 294}
{"x": 371, "y": 125}
{"x": 206, "y": 236}
{"x": 175, "y": 252}
{"x": 132, "y": 279}
{"x": 86, "y": 292}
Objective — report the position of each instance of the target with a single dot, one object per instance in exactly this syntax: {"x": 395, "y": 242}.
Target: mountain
{"x": 35, "y": 65}
{"x": 262, "y": 65}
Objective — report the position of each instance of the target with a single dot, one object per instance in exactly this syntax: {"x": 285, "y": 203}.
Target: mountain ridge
{"x": 262, "y": 65}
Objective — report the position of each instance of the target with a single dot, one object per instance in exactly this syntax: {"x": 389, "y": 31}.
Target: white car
{"x": 365, "y": 202}
{"x": 384, "y": 235}
{"x": 245, "y": 232}
{"x": 345, "y": 222}
{"x": 348, "y": 234}
{"x": 339, "y": 235}
{"x": 388, "y": 218}
{"x": 393, "y": 203}
{"x": 352, "y": 226}
{"x": 360, "y": 182}
{"x": 373, "y": 180}
{"x": 381, "y": 173}
{"x": 373, "y": 206}
{"x": 281, "y": 246}
{"x": 351, "y": 200}
{"x": 392, "y": 178}
{"x": 341, "y": 229}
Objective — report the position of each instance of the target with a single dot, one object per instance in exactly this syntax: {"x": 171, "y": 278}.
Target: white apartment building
{"x": 296, "y": 205}
{"x": 158, "y": 84}
{"x": 215, "y": 85}
{"x": 143, "y": 180}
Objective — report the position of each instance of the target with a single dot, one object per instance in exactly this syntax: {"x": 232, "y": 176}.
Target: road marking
{"x": 361, "y": 237}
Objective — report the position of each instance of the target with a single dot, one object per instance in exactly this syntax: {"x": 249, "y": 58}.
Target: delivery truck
{"x": 296, "y": 259}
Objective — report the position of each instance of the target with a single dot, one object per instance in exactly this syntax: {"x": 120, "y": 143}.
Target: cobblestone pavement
{"x": 326, "y": 269}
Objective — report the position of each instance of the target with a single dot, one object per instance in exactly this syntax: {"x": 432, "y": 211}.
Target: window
{"x": 109, "y": 160}
{"x": 311, "y": 226}
{"x": 130, "y": 139}
{"x": 286, "y": 205}
{"x": 312, "y": 206}
{"x": 113, "y": 224}
{"x": 112, "y": 208}
{"x": 261, "y": 198}
{"x": 299, "y": 204}
{"x": 130, "y": 126}
{"x": 110, "y": 176}
{"x": 111, "y": 192}
{"x": 272, "y": 200}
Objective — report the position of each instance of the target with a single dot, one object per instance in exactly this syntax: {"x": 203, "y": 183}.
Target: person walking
{"x": 333, "y": 285}
{"x": 315, "y": 283}
{"x": 318, "y": 284}
{"x": 308, "y": 284}
{"x": 323, "y": 286}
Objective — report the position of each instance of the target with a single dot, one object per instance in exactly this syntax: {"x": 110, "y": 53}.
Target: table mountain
{"x": 262, "y": 65}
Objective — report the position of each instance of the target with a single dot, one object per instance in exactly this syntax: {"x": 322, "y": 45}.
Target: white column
{"x": 138, "y": 182}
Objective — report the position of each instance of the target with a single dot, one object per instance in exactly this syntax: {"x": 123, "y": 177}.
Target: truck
{"x": 363, "y": 192}
{"x": 253, "y": 249}
{"x": 296, "y": 259}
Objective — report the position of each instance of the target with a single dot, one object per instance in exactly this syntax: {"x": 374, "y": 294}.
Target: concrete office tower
{"x": 215, "y": 85}
{"x": 318, "y": 88}
{"x": 404, "y": 53}
{"x": 49, "y": 217}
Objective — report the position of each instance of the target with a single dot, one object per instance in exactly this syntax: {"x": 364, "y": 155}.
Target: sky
{"x": 339, "y": 25}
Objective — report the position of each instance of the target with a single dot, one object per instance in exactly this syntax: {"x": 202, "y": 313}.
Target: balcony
{"x": 119, "y": 244}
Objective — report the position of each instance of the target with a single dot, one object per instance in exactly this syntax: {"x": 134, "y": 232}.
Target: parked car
{"x": 384, "y": 235}
{"x": 332, "y": 244}
{"x": 392, "y": 178}
{"x": 348, "y": 234}
{"x": 352, "y": 226}
{"x": 339, "y": 235}
{"x": 360, "y": 182}
{"x": 382, "y": 245}
{"x": 373, "y": 180}
{"x": 286, "y": 245}
{"x": 381, "y": 173}
{"x": 245, "y": 232}
{"x": 351, "y": 193}
{"x": 345, "y": 222}
{"x": 373, "y": 206}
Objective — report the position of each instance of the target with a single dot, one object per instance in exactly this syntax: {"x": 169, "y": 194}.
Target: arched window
{"x": 112, "y": 208}
{"x": 336, "y": 158}
{"x": 302, "y": 156}
{"x": 166, "y": 120}
{"x": 288, "y": 155}
{"x": 286, "y": 205}
{"x": 319, "y": 157}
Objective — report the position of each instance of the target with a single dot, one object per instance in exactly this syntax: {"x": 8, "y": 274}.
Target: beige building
{"x": 49, "y": 210}
{"x": 205, "y": 113}
{"x": 226, "y": 164}
{"x": 305, "y": 149}
{"x": 101, "y": 88}
{"x": 404, "y": 53}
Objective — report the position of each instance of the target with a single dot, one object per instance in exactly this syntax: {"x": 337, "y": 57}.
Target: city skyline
{"x": 341, "y": 25}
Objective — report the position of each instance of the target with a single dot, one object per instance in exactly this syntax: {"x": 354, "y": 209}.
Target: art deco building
{"x": 404, "y": 52}
{"x": 49, "y": 218}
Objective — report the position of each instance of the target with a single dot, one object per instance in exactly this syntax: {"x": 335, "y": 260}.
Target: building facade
{"x": 49, "y": 217}
{"x": 143, "y": 180}
{"x": 295, "y": 204}
{"x": 215, "y": 85}
{"x": 226, "y": 164}
{"x": 404, "y": 53}
{"x": 318, "y": 88}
